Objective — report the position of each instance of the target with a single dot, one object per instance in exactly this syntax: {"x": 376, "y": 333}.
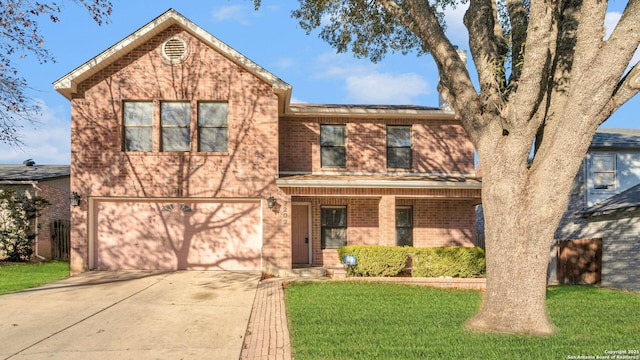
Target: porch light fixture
{"x": 74, "y": 199}
{"x": 271, "y": 202}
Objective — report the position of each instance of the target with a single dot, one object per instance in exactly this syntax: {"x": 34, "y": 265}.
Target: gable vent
{"x": 174, "y": 49}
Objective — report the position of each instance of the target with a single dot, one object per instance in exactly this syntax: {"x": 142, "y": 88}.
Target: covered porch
{"x": 329, "y": 211}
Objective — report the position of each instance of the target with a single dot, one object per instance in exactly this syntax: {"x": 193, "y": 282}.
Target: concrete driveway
{"x": 130, "y": 315}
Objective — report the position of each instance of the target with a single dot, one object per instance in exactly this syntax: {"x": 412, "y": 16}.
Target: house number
{"x": 285, "y": 215}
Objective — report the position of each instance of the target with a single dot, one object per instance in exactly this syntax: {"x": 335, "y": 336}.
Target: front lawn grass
{"x": 20, "y": 276}
{"x": 358, "y": 320}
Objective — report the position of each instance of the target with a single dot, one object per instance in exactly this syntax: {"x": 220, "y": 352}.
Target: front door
{"x": 300, "y": 234}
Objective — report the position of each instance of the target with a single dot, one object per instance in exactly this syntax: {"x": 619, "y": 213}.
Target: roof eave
{"x": 606, "y": 212}
{"x": 18, "y": 182}
{"x": 377, "y": 184}
{"x": 365, "y": 112}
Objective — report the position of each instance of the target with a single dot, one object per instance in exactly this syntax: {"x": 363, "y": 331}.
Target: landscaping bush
{"x": 459, "y": 262}
{"x": 17, "y": 233}
{"x": 375, "y": 260}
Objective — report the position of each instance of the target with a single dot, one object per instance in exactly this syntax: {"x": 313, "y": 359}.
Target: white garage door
{"x": 176, "y": 235}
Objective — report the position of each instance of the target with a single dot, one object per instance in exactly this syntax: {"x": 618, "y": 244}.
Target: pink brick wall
{"x": 371, "y": 221}
{"x": 57, "y": 192}
{"x": 439, "y": 146}
{"x": 442, "y": 222}
{"x": 248, "y": 169}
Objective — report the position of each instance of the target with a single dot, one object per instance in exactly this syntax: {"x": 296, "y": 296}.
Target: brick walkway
{"x": 267, "y": 334}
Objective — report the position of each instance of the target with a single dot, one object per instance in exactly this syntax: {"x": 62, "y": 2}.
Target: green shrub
{"x": 375, "y": 260}
{"x": 460, "y": 262}
{"x": 17, "y": 233}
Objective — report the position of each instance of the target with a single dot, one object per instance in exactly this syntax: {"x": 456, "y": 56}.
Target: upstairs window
{"x": 333, "y": 227}
{"x": 175, "y": 119}
{"x": 332, "y": 146}
{"x": 603, "y": 167}
{"x": 399, "y": 147}
{"x": 138, "y": 126}
{"x": 213, "y": 128}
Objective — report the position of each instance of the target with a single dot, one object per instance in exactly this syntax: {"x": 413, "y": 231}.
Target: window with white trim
{"x": 175, "y": 120}
{"x": 175, "y": 126}
{"x": 138, "y": 125}
{"x": 213, "y": 128}
{"x": 603, "y": 170}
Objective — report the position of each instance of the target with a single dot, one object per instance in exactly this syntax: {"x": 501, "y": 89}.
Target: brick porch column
{"x": 387, "y": 220}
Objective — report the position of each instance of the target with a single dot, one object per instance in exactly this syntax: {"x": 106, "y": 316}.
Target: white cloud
{"x": 325, "y": 20}
{"x": 46, "y": 141}
{"x": 237, "y": 13}
{"x": 386, "y": 88}
{"x": 368, "y": 83}
{"x": 610, "y": 21}
{"x": 286, "y": 63}
{"x": 332, "y": 65}
{"x": 635, "y": 59}
{"x": 456, "y": 31}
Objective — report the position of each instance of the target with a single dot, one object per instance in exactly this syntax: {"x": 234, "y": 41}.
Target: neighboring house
{"x": 601, "y": 204}
{"x": 48, "y": 181}
{"x": 187, "y": 155}
{"x": 617, "y": 222}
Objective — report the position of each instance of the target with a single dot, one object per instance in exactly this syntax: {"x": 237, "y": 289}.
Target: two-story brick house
{"x": 188, "y": 155}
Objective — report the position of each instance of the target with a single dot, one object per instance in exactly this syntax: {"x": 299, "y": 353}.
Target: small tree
{"x": 17, "y": 230}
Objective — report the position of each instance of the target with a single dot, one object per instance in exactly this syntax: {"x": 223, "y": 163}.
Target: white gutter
{"x": 384, "y": 184}
{"x": 18, "y": 182}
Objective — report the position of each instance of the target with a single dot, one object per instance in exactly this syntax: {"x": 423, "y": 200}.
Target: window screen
{"x": 138, "y": 126}
{"x": 404, "y": 226}
{"x": 333, "y": 227}
{"x": 604, "y": 171}
{"x": 213, "y": 130}
{"x": 332, "y": 146}
{"x": 175, "y": 119}
{"x": 399, "y": 147}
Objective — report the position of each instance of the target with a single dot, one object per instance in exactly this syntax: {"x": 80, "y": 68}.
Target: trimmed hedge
{"x": 454, "y": 261}
{"x": 459, "y": 262}
{"x": 375, "y": 260}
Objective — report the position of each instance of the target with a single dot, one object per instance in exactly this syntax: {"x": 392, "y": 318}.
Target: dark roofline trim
{"x": 588, "y": 214}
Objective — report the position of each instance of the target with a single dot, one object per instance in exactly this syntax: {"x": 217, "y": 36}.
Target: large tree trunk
{"x": 523, "y": 204}
{"x": 517, "y": 244}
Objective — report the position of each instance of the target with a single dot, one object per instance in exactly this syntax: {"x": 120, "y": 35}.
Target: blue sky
{"x": 269, "y": 37}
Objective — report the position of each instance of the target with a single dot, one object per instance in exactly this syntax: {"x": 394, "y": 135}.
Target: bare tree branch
{"x": 20, "y": 36}
{"x": 519, "y": 20}
{"x": 627, "y": 88}
{"x": 539, "y": 52}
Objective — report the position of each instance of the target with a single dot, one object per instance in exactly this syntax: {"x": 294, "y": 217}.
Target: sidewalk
{"x": 267, "y": 334}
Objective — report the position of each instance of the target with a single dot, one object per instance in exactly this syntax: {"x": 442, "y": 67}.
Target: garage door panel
{"x": 177, "y": 235}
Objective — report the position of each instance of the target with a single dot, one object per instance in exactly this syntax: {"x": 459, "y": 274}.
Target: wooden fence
{"x": 580, "y": 261}
{"x": 60, "y": 239}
